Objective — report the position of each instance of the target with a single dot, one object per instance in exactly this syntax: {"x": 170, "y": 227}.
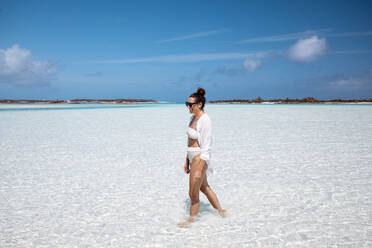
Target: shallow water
{"x": 289, "y": 175}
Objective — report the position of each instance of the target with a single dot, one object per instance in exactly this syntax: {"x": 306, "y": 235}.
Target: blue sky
{"x": 164, "y": 50}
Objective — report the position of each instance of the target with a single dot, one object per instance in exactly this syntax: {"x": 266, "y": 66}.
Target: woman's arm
{"x": 186, "y": 168}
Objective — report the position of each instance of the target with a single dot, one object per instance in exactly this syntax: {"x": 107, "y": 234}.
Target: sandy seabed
{"x": 289, "y": 175}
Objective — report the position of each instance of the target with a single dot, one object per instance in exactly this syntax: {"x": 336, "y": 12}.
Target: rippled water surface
{"x": 289, "y": 175}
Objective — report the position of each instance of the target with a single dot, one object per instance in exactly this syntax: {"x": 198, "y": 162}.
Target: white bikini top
{"x": 192, "y": 133}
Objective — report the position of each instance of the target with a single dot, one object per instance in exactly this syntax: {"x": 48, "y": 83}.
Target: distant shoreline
{"x": 307, "y": 100}
{"x": 259, "y": 100}
{"x": 78, "y": 101}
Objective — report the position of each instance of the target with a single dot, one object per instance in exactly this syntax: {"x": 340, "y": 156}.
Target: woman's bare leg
{"x": 212, "y": 197}
{"x": 197, "y": 174}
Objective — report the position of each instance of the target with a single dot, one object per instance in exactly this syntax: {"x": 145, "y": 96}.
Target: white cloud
{"x": 306, "y": 50}
{"x": 251, "y": 64}
{"x": 196, "y": 35}
{"x": 348, "y": 83}
{"x": 350, "y": 34}
{"x": 189, "y": 58}
{"x": 229, "y": 71}
{"x": 304, "y": 35}
{"x": 284, "y": 37}
{"x": 339, "y": 85}
{"x": 183, "y": 58}
{"x": 353, "y": 52}
{"x": 18, "y": 67}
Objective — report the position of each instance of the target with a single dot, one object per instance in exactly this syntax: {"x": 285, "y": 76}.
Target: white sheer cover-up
{"x": 204, "y": 131}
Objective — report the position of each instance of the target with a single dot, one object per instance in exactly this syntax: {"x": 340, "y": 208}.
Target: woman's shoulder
{"x": 204, "y": 119}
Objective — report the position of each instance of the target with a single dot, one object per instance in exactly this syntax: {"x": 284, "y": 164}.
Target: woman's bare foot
{"x": 186, "y": 223}
{"x": 223, "y": 213}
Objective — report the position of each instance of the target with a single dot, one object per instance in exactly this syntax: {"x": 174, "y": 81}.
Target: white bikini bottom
{"x": 192, "y": 152}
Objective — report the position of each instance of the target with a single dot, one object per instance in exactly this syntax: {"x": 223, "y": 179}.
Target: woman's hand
{"x": 186, "y": 167}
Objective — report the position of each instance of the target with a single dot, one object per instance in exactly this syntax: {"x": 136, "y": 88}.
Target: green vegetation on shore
{"x": 294, "y": 101}
{"x": 233, "y": 101}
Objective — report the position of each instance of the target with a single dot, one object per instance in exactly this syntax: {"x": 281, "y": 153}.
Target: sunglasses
{"x": 189, "y": 104}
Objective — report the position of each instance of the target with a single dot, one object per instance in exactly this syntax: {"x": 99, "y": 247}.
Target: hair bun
{"x": 201, "y": 91}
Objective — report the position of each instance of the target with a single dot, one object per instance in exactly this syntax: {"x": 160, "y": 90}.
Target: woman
{"x": 198, "y": 155}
